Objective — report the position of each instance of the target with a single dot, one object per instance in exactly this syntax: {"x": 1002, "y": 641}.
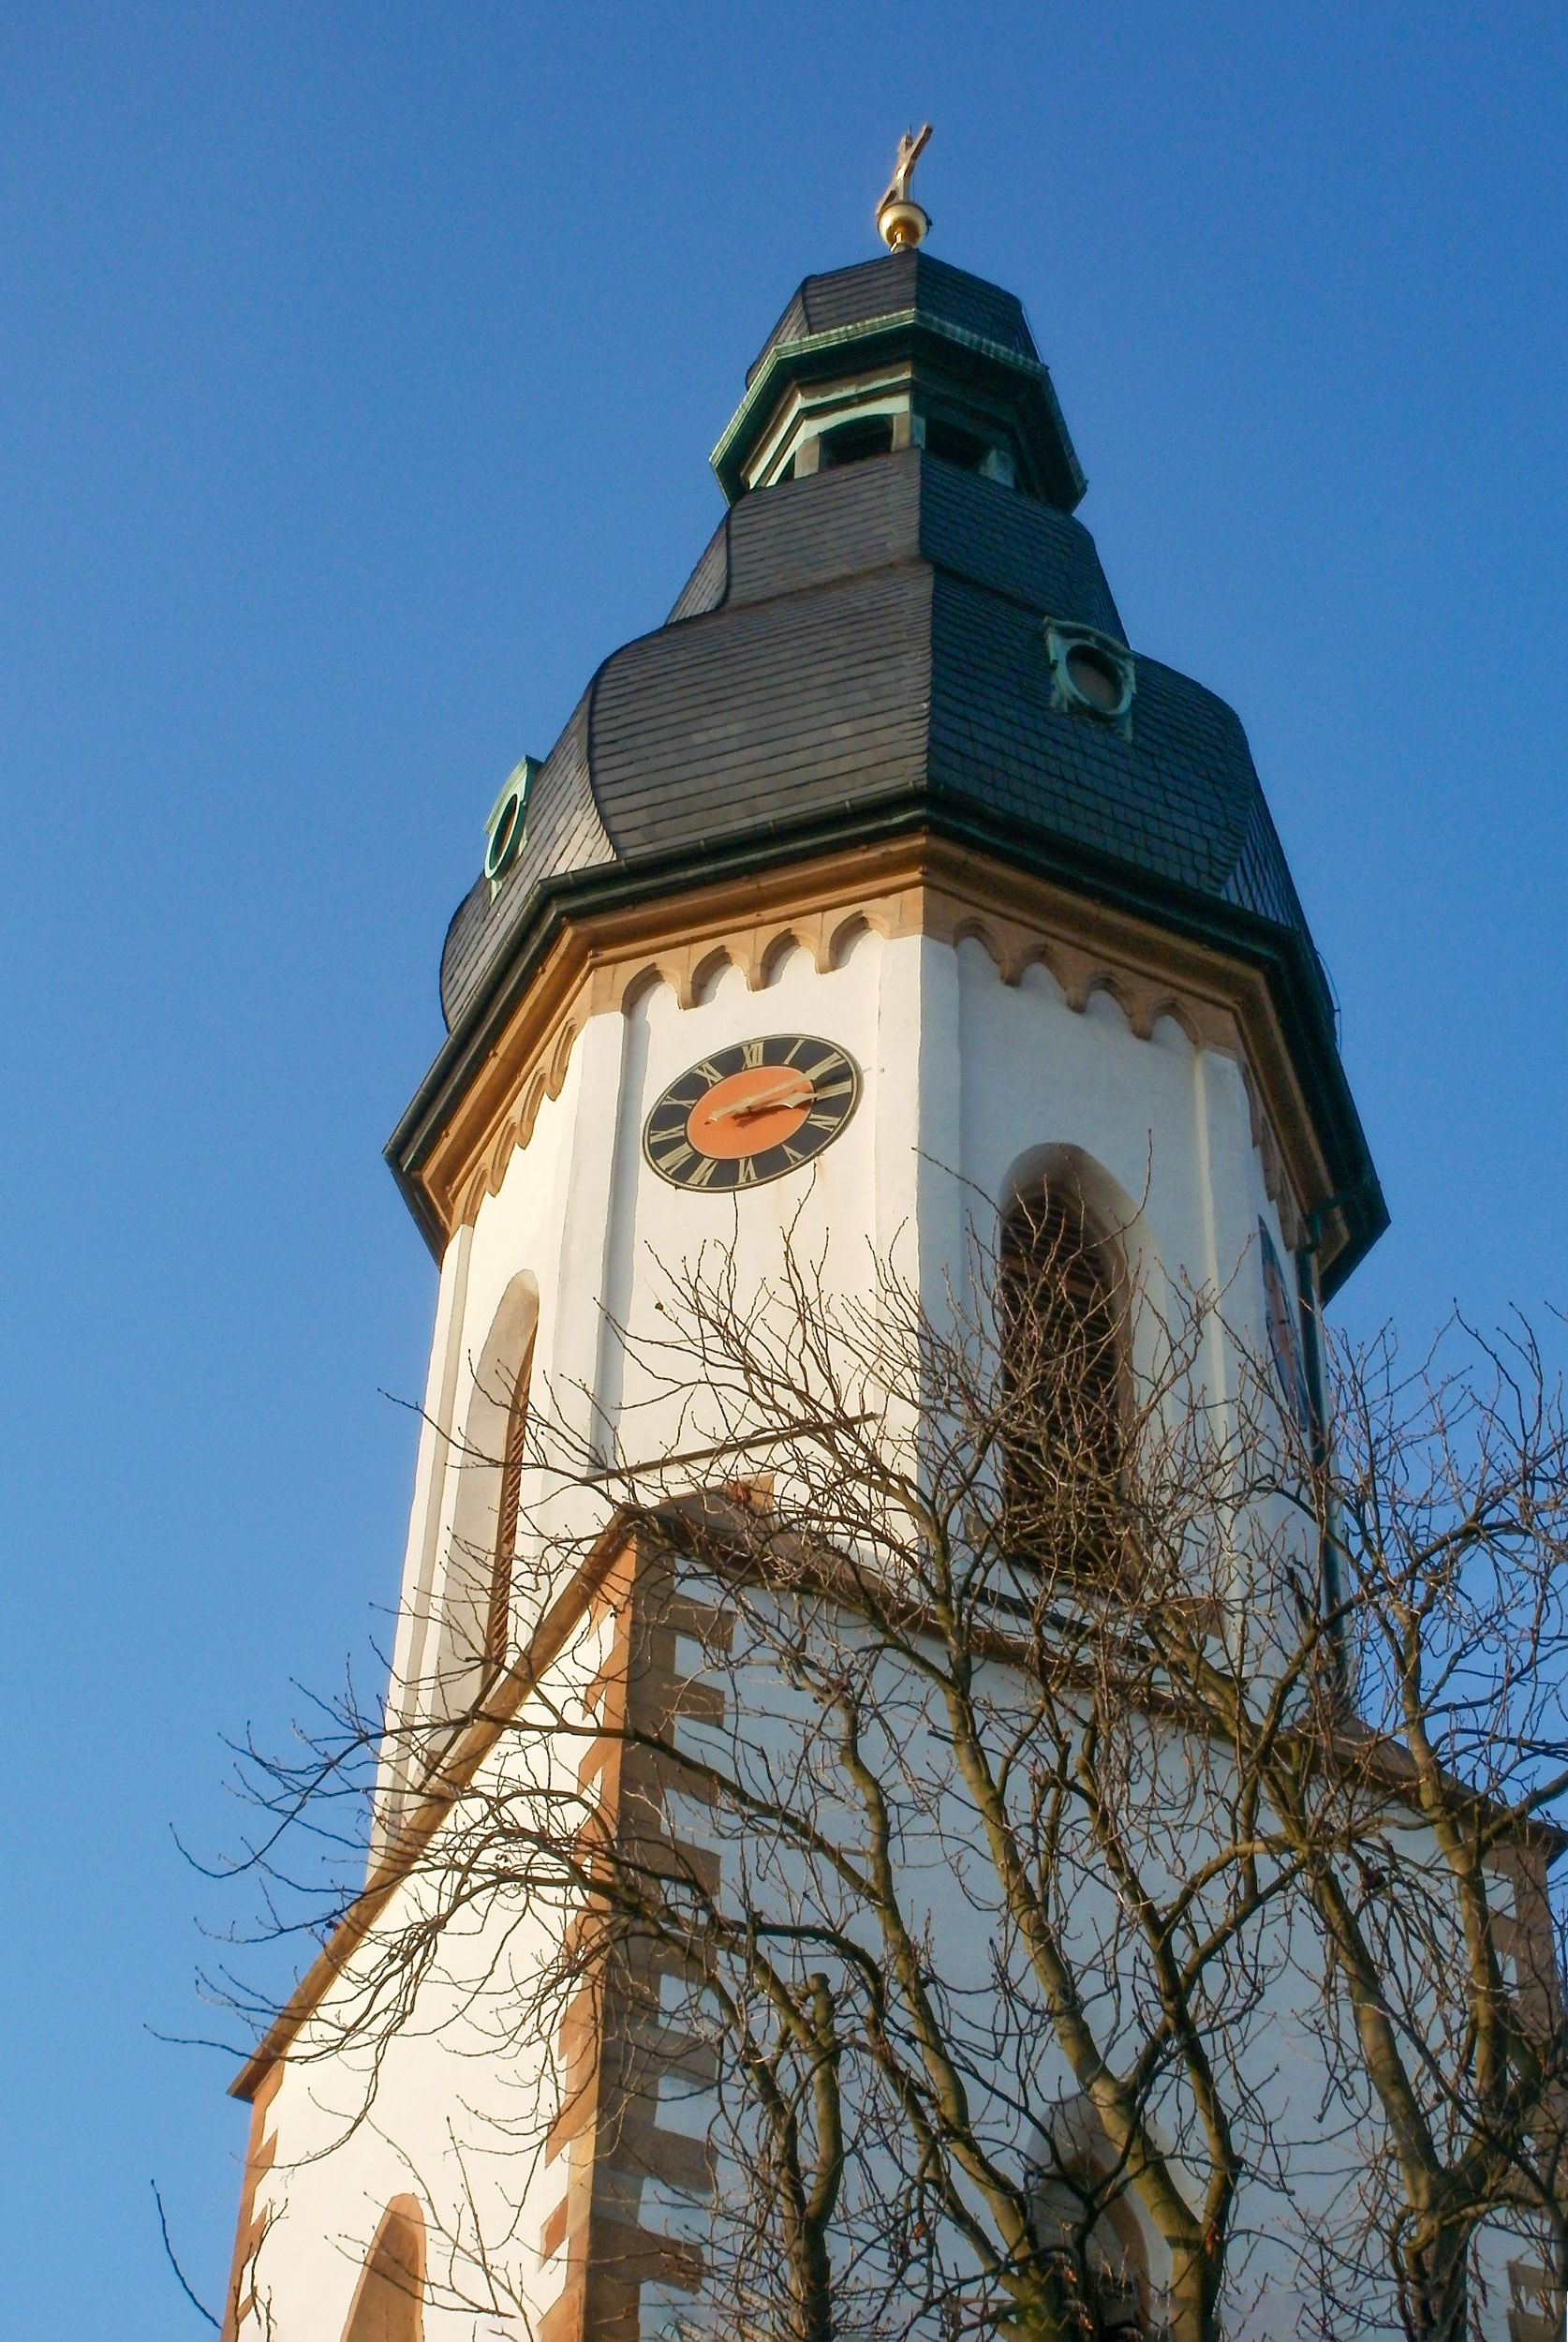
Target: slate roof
{"x": 872, "y": 635}
{"x": 910, "y": 279}
{"x": 862, "y": 650}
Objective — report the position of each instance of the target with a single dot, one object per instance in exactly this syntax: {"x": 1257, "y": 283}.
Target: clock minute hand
{"x": 799, "y": 1094}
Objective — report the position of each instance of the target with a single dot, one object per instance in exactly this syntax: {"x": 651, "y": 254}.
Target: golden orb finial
{"x": 901, "y": 221}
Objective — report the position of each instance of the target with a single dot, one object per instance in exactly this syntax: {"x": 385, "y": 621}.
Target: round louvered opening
{"x": 1096, "y": 679}
{"x": 503, "y": 837}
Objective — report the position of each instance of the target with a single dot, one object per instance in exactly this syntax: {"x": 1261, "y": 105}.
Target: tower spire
{"x": 901, "y": 221}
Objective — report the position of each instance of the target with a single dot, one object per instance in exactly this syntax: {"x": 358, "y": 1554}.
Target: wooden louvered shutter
{"x": 1061, "y": 1325}
{"x": 496, "y": 1627}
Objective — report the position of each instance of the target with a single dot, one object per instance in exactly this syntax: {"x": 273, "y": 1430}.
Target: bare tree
{"x": 1426, "y": 1824}
{"x": 964, "y": 1772}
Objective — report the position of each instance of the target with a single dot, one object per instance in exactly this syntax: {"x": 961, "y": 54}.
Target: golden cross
{"x": 911, "y": 146}
{"x": 900, "y": 218}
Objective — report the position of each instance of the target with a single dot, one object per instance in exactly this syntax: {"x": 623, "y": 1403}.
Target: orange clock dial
{"x": 752, "y": 1112}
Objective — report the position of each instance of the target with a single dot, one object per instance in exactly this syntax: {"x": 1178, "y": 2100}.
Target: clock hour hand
{"x": 799, "y": 1093}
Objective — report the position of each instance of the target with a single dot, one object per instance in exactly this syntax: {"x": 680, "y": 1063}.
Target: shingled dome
{"x": 881, "y": 636}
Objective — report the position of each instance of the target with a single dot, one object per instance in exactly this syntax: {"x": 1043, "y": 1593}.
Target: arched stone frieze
{"x": 829, "y": 937}
{"x": 644, "y": 979}
{"x": 1036, "y": 972}
{"x": 709, "y": 974}
{"x": 1173, "y": 1026}
{"x": 777, "y": 953}
{"x": 760, "y": 952}
{"x": 1077, "y": 950}
{"x": 1104, "y": 999}
{"x": 851, "y": 933}
{"x": 560, "y": 1058}
{"x": 517, "y": 1130}
{"x": 979, "y": 931}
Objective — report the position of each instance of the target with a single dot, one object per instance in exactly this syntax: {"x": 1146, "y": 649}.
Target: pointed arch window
{"x": 1092, "y": 2224}
{"x": 387, "y": 2305}
{"x": 497, "y": 1630}
{"x": 1061, "y": 1292}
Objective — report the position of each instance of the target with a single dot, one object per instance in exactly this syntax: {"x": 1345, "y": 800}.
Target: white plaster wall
{"x": 447, "y": 2108}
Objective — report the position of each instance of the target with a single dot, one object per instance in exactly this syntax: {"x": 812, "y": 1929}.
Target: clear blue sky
{"x": 358, "y": 369}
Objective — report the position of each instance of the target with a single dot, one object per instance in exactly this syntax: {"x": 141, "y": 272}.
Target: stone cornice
{"x": 482, "y": 1097}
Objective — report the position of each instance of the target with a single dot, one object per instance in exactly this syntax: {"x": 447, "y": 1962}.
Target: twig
{"x": 184, "y": 2286}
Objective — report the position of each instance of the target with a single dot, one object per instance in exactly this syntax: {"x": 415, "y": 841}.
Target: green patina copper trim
{"x": 808, "y": 353}
{"x": 1063, "y": 636}
{"x": 506, "y": 825}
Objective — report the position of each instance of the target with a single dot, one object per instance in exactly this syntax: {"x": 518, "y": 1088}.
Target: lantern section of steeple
{"x": 904, "y": 351}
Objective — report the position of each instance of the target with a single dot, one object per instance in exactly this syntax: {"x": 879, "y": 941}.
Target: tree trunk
{"x": 1193, "y": 2286}
{"x": 1437, "y": 2291}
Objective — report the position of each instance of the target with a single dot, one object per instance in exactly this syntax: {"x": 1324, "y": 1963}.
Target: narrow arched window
{"x": 388, "y": 2300}
{"x": 498, "y": 1623}
{"x": 1088, "y": 2220}
{"x": 1060, "y": 1295}
{"x": 477, "y": 1588}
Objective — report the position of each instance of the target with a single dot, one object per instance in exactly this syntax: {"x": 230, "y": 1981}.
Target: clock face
{"x": 752, "y": 1112}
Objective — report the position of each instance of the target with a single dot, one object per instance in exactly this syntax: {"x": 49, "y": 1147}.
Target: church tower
{"x": 882, "y": 882}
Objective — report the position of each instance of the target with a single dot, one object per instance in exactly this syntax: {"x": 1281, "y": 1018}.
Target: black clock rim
{"x": 780, "y": 1170}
